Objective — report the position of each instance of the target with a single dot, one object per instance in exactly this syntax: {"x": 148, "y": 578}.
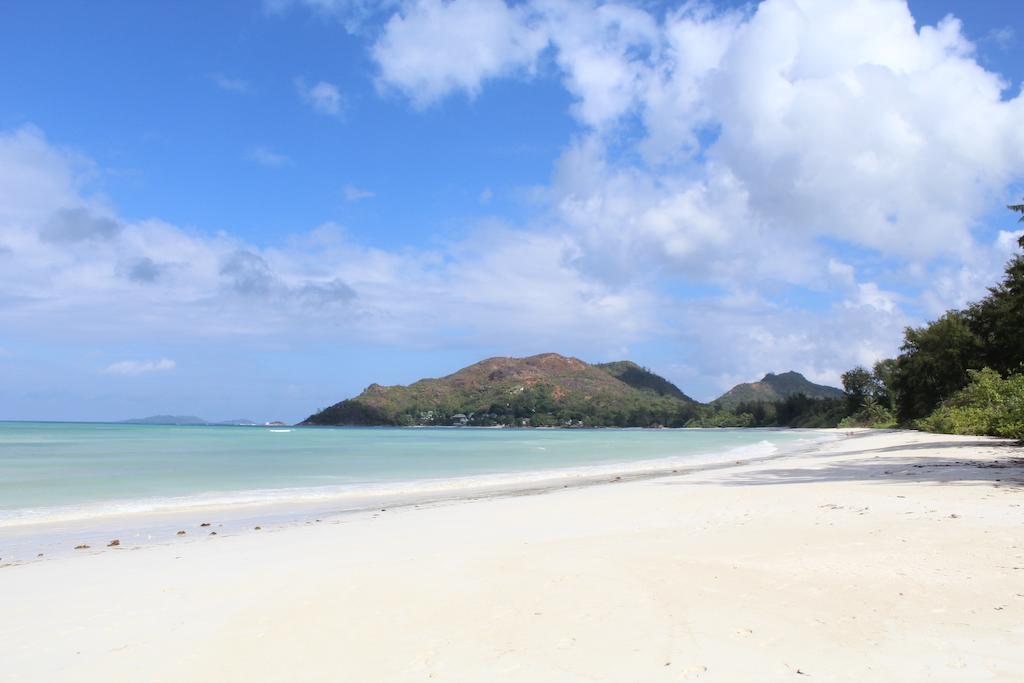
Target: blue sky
{"x": 256, "y": 209}
{"x": 136, "y": 88}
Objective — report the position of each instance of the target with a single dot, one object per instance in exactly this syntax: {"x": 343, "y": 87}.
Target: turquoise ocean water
{"x": 75, "y": 471}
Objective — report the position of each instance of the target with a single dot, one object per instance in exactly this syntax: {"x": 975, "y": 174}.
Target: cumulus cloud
{"x": 247, "y": 274}
{"x": 782, "y": 186}
{"x": 139, "y": 367}
{"x": 804, "y": 117}
{"x": 152, "y": 280}
{"x": 142, "y": 269}
{"x": 733, "y": 339}
{"x": 78, "y": 224}
{"x": 433, "y": 47}
{"x": 751, "y": 150}
{"x": 322, "y": 97}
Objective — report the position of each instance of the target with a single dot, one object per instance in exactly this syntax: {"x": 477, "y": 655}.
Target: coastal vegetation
{"x": 546, "y": 390}
{"x": 551, "y": 390}
{"x": 990, "y": 404}
{"x": 787, "y": 399}
{"x": 773, "y": 389}
{"x": 961, "y": 373}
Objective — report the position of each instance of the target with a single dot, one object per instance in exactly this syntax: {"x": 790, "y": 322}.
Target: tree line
{"x": 960, "y": 374}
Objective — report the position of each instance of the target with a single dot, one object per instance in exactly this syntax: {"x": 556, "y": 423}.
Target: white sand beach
{"x": 888, "y": 556}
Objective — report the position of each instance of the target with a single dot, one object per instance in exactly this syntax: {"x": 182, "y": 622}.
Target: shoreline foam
{"x": 55, "y": 532}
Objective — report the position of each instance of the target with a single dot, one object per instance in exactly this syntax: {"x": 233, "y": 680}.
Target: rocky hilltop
{"x": 774, "y": 388}
{"x": 544, "y": 390}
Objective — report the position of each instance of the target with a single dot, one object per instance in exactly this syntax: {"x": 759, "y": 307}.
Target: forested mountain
{"x": 773, "y": 388}
{"x": 642, "y": 378}
{"x": 543, "y": 390}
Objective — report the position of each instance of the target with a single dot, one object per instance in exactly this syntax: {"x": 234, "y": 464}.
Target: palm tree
{"x": 1019, "y": 208}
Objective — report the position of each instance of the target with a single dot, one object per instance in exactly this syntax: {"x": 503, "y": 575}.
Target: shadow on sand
{"x": 1004, "y": 466}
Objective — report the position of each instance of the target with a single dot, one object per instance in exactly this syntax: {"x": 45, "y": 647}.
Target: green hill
{"x": 774, "y": 388}
{"x": 543, "y": 390}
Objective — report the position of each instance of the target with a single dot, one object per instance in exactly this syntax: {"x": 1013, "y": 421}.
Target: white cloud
{"x": 869, "y": 294}
{"x": 817, "y": 118}
{"x": 861, "y": 128}
{"x": 512, "y": 288}
{"x": 236, "y": 85}
{"x": 322, "y": 97}
{"x": 739, "y": 337}
{"x": 769, "y": 187}
{"x": 843, "y": 272}
{"x": 265, "y": 156}
{"x": 432, "y": 47}
{"x": 36, "y": 177}
{"x": 957, "y": 284}
{"x": 754, "y": 150}
{"x": 602, "y": 51}
{"x": 1007, "y": 241}
{"x": 139, "y": 367}
{"x": 355, "y": 194}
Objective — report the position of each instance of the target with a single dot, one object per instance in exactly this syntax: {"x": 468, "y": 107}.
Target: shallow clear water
{"x": 76, "y": 470}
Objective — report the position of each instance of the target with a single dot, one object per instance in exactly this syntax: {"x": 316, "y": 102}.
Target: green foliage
{"x": 869, "y": 398}
{"x": 885, "y": 382}
{"x": 989, "y": 405}
{"x": 871, "y": 413}
{"x": 803, "y": 411}
{"x": 937, "y": 381}
{"x": 798, "y": 410}
{"x": 934, "y": 364}
{"x": 642, "y": 378}
{"x": 939, "y": 359}
{"x": 859, "y": 385}
{"x": 721, "y": 418}
{"x": 1019, "y": 208}
{"x": 547, "y": 390}
{"x": 998, "y": 319}
{"x": 773, "y": 388}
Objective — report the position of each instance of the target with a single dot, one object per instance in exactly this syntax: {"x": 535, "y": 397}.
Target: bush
{"x": 988, "y": 405}
{"x": 872, "y": 414}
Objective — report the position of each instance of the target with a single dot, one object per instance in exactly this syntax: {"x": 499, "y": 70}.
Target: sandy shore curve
{"x": 887, "y": 556}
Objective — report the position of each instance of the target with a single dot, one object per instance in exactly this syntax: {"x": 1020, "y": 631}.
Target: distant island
{"x": 182, "y": 420}
{"x": 551, "y": 390}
